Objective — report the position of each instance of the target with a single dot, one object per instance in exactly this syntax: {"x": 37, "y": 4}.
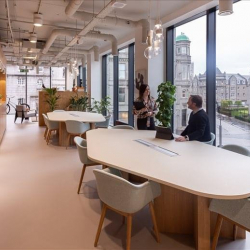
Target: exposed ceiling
{"x": 54, "y": 17}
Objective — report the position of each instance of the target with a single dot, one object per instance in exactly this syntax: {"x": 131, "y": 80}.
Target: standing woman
{"x": 145, "y": 108}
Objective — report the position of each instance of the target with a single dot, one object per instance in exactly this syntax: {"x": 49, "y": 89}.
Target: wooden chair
{"x": 76, "y": 128}
{"x": 82, "y": 152}
{"x": 125, "y": 198}
{"x": 23, "y": 113}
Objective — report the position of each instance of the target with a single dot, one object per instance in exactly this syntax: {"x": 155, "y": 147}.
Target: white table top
{"x": 76, "y": 116}
{"x": 199, "y": 168}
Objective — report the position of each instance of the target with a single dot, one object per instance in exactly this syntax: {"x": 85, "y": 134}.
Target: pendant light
{"x": 33, "y": 38}
{"x": 38, "y": 19}
{"x": 225, "y": 7}
{"x": 149, "y": 51}
{"x": 158, "y": 29}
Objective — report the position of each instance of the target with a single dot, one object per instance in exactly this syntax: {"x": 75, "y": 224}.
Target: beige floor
{"x": 40, "y": 209}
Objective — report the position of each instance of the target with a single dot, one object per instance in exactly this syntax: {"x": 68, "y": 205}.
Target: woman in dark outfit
{"x": 145, "y": 116}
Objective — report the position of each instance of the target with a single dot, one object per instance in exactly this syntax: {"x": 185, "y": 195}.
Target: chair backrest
{"x": 212, "y": 139}
{"x": 104, "y": 124}
{"x": 59, "y": 110}
{"x": 237, "y": 149}
{"x": 20, "y": 110}
{"x": 52, "y": 124}
{"x": 81, "y": 145}
{"x": 123, "y": 127}
{"x": 45, "y": 118}
{"x": 76, "y": 127}
{"x": 122, "y": 195}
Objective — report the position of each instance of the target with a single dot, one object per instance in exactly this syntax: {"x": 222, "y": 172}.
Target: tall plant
{"x": 165, "y": 101}
{"x": 79, "y": 103}
{"x": 51, "y": 98}
{"x": 101, "y": 107}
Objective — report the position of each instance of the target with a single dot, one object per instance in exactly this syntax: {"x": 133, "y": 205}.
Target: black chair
{"x": 23, "y": 113}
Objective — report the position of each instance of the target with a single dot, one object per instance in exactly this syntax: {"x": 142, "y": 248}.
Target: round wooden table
{"x": 63, "y": 116}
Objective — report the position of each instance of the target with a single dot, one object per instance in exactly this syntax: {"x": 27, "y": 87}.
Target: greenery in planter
{"x": 79, "y": 103}
{"x": 51, "y": 98}
{"x": 165, "y": 102}
{"x": 101, "y": 107}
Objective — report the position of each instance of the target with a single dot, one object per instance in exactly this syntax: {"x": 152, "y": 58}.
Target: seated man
{"x": 198, "y": 128}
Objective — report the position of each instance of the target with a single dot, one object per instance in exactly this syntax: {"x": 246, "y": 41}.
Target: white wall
{"x": 96, "y": 77}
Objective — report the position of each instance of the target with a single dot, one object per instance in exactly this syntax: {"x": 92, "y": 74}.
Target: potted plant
{"x": 101, "y": 107}
{"x": 78, "y": 103}
{"x": 51, "y": 98}
{"x": 165, "y": 102}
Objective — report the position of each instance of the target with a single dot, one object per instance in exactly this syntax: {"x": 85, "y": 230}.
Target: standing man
{"x": 198, "y": 128}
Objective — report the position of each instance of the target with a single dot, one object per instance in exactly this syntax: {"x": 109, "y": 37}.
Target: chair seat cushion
{"x": 235, "y": 210}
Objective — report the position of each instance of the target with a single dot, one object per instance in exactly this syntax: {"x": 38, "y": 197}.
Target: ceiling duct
{"x": 102, "y": 14}
{"x": 54, "y": 35}
{"x": 74, "y": 5}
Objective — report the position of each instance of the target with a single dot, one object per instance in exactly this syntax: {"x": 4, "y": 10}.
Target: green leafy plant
{"x": 101, "y": 107}
{"x": 79, "y": 103}
{"x": 165, "y": 101}
{"x": 51, "y": 98}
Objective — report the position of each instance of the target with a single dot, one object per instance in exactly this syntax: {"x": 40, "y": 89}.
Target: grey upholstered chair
{"x": 51, "y": 126}
{"x": 103, "y": 124}
{"x": 82, "y": 152}
{"x": 237, "y": 149}
{"x": 235, "y": 211}
{"x": 76, "y": 128}
{"x": 123, "y": 127}
{"x": 212, "y": 139}
{"x": 22, "y": 112}
{"x": 125, "y": 198}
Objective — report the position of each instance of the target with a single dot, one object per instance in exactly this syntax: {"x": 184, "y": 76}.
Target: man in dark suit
{"x": 198, "y": 128}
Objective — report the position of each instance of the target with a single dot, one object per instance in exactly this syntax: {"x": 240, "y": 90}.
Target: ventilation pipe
{"x": 107, "y": 37}
{"x": 74, "y": 5}
{"x": 54, "y": 35}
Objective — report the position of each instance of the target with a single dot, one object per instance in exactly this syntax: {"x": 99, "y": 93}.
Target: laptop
{"x": 164, "y": 133}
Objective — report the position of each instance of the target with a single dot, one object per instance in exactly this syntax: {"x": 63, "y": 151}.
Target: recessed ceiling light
{"x": 38, "y": 19}
{"x": 119, "y": 4}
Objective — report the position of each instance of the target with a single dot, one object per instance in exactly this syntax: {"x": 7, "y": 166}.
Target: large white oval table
{"x": 199, "y": 172}
{"x": 61, "y": 117}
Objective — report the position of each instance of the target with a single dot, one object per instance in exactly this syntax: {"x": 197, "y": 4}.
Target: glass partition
{"x": 110, "y": 85}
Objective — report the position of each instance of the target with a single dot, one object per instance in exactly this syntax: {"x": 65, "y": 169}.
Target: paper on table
{"x": 157, "y": 148}
{"x": 74, "y": 115}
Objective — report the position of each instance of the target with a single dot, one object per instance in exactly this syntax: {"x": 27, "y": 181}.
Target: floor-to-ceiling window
{"x": 118, "y": 84}
{"x": 25, "y": 82}
{"x": 189, "y": 68}
{"x": 233, "y": 76}
{"x": 36, "y": 79}
{"x": 110, "y": 85}
{"x": 58, "y": 78}
{"x": 123, "y": 85}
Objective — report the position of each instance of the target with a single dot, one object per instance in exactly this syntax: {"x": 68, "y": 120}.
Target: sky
{"x": 232, "y": 45}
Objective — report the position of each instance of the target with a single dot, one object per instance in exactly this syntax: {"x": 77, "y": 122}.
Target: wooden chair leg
{"x": 48, "y": 136}
{"x": 80, "y": 183}
{"x": 104, "y": 209}
{"x": 123, "y": 220}
{"x": 129, "y": 229}
{"x": 68, "y": 141}
{"x": 235, "y": 228}
{"x": 217, "y": 231}
{"x": 156, "y": 231}
{"x": 45, "y": 133}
